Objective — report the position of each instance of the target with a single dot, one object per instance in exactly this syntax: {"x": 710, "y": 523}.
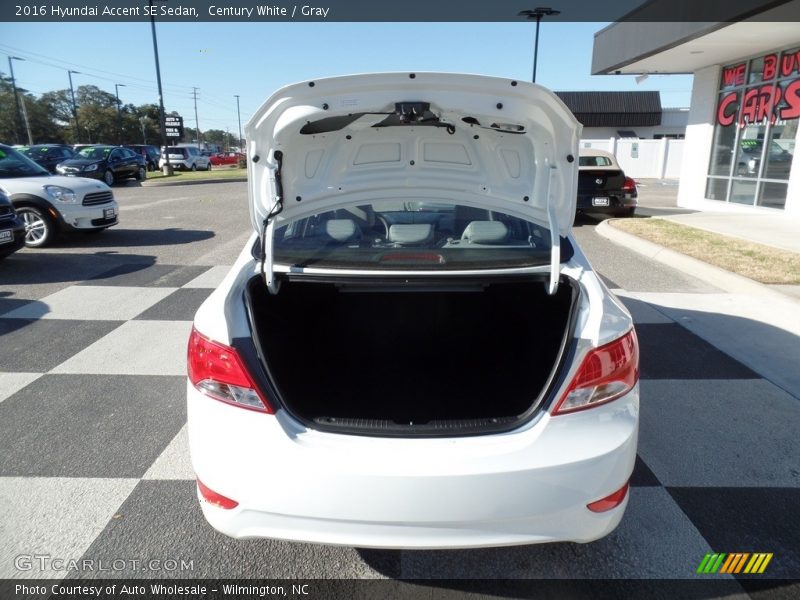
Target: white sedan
{"x": 411, "y": 351}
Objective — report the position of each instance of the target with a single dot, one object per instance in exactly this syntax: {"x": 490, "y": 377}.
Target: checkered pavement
{"x": 94, "y": 461}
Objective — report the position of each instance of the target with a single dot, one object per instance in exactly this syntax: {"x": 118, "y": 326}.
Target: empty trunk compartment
{"x": 404, "y": 360}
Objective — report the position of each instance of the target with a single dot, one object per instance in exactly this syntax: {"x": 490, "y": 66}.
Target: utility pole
{"x": 119, "y": 112}
{"x": 16, "y": 97}
{"x": 239, "y": 115}
{"x": 537, "y": 13}
{"x": 27, "y": 123}
{"x": 196, "y": 124}
{"x": 167, "y": 166}
{"x": 74, "y": 107}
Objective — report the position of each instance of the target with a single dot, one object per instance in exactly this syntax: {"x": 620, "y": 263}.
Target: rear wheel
{"x": 108, "y": 177}
{"x": 208, "y": 166}
{"x": 194, "y": 166}
{"x": 141, "y": 174}
{"x": 39, "y": 227}
{"x": 626, "y": 212}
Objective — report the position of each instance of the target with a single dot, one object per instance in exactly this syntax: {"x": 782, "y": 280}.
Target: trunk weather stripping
{"x": 266, "y": 256}
{"x": 555, "y": 241}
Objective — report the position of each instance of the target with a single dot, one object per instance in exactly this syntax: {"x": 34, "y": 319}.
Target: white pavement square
{"x": 174, "y": 461}
{"x": 210, "y": 279}
{"x": 11, "y": 383}
{"x": 52, "y": 516}
{"x": 96, "y": 303}
{"x": 135, "y": 348}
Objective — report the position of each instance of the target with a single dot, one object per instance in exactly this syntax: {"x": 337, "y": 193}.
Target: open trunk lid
{"x": 482, "y": 141}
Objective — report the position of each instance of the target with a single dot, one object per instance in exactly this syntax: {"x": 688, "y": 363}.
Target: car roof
{"x": 595, "y": 152}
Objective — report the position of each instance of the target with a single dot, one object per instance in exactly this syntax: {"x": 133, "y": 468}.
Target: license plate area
{"x": 600, "y": 201}
{"x": 108, "y": 213}
{"x": 6, "y": 236}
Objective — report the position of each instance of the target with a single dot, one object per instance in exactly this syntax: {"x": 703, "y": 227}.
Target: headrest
{"x": 485, "y": 232}
{"x": 341, "y": 230}
{"x": 410, "y": 234}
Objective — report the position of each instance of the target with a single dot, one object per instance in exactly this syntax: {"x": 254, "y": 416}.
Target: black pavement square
{"x": 670, "y": 351}
{"x": 90, "y": 425}
{"x": 180, "y": 305}
{"x": 38, "y": 345}
{"x": 642, "y": 475}
{"x": 747, "y": 519}
{"x": 147, "y": 275}
{"x": 162, "y": 520}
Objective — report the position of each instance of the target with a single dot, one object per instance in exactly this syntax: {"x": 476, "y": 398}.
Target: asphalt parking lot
{"x": 93, "y": 459}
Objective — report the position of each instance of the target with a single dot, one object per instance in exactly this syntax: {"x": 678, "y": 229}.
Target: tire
{"x": 141, "y": 174}
{"x": 208, "y": 166}
{"x": 40, "y": 229}
{"x": 108, "y": 177}
{"x": 194, "y": 166}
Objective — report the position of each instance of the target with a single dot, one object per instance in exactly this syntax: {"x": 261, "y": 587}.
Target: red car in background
{"x": 226, "y": 158}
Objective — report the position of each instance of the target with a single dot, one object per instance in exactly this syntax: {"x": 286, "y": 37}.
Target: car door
{"x": 117, "y": 164}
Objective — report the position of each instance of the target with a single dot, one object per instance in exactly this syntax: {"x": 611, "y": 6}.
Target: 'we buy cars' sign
{"x": 173, "y": 126}
{"x": 767, "y": 100}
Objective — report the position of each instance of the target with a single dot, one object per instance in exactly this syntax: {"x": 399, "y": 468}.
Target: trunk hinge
{"x": 555, "y": 240}
{"x": 267, "y": 262}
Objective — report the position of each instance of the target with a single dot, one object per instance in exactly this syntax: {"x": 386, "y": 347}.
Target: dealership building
{"x": 741, "y": 141}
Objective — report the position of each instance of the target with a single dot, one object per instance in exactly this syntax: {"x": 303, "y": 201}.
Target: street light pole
{"x": 16, "y": 97}
{"x": 119, "y": 112}
{"x": 239, "y": 115}
{"x": 74, "y": 107}
{"x": 167, "y": 166}
{"x": 537, "y": 13}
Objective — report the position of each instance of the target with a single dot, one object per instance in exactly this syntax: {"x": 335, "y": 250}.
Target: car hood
{"x": 79, "y": 162}
{"x": 81, "y": 185}
{"x": 491, "y": 142}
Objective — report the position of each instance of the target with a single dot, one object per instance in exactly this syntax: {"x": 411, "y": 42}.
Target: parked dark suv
{"x": 109, "y": 163}
{"x": 150, "y": 154}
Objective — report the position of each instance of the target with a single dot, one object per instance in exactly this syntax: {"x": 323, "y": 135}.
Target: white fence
{"x": 652, "y": 159}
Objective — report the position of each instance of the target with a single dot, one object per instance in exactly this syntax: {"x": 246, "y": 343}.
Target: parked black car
{"x": 12, "y": 228}
{"x": 150, "y": 153}
{"x": 109, "y": 163}
{"x": 48, "y": 155}
{"x": 603, "y": 186}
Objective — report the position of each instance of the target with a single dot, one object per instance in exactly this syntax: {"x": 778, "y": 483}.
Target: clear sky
{"x": 254, "y": 59}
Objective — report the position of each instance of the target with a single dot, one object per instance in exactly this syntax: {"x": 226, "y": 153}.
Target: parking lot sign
{"x": 174, "y": 126}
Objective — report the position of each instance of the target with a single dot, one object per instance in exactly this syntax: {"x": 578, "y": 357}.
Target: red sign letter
{"x": 725, "y": 117}
{"x": 792, "y": 98}
{"x": 770, "y": 66}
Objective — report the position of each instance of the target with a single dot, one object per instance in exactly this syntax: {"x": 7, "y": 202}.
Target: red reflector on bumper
{"x": 214, "y": 498}
{"x": 610, "y": 501}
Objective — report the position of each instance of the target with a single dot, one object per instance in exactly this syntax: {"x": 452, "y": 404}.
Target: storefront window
{"x": 757, "y": 116}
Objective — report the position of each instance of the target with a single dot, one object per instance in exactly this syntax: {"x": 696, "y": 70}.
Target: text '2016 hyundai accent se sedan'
{"x": 412, "y": 351}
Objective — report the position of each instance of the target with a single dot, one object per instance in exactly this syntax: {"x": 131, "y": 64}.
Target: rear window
{"x": 594, "y": 161}
{"x": 177, "y": 152}
{"x": 386, "y": 235}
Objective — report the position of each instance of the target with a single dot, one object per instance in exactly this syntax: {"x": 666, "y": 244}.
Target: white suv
{"x": 412, "y": 351}
{"x": 187, "y": 158}
{"x": 51, "y": 203}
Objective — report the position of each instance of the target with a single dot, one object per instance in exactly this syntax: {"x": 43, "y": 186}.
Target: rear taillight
{"x": 218, "y": 372}
{"x": 629, "y": 185}
{"x": 214, "y": 498}
{"x": 605, "y": 374}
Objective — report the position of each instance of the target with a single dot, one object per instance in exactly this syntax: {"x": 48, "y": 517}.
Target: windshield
{"x": 16, "y": 164}
{"x": 402, "y": 235}
{"x": 93, "y": 153}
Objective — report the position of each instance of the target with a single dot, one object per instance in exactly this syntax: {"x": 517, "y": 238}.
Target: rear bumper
{"x": 17, "y": 228}
{"x": 616, "y": 202}
{"x": 527, "y": 486}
